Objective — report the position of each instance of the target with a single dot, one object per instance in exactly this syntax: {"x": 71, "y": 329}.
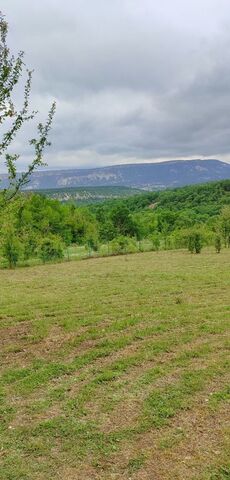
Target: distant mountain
{"x": 149, "y": 176}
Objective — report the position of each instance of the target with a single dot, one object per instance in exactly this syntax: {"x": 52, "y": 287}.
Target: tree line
{"x": 34, "y": 226}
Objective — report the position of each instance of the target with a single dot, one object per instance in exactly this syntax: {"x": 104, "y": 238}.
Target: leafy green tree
{"x": 225, "y": 225}
{"x": 83, "y": 225}
{"x": 107, "y": 230}
{"x": 91, "y": 237}
{"x": 12, "y": 70}
{"x": 166, "y": 221}
{"x": 144, "y": 223}
{"x": 11, "y": 248}
{"x": 123, "y": 221}
{"x": 155, "y": 240}
{"x": 195, "y": 242}
{"x": 30, "y": 240}
{"x": 50, "y": 248}
{"x": 122, "y": 244}
{"x": 218, "y": 243}
{"x": 191, "y": 243}
{"x": 198, "y": 242}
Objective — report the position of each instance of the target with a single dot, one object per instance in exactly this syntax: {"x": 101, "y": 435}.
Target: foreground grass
{"x": 116, "y": 368}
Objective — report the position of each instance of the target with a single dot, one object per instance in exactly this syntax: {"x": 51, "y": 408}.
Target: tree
{"x": 218, "y": 243}
{"x": 123, "y": 221}
{"x": 155, "y": 240}
{"x": 11, "y": 248}
{"x": 11, "y": 71}
{"x": 50, "y": 248}
{"x": 166, "y": 220}
{"x": 198, "y": 242}
{"x": 225, "y": 224}
{"x": 122, "y": 244}
{"x": 195, "y": 242}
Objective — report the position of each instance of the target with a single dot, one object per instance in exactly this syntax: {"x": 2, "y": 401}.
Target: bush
{"x": 218, "y": 243}
{"x": 30, "y": 241}
{"x": 195, "y": 242}
{"x": 50, "y": 248}
{"x": 155, "y": 240}
{"x": 11, "y": 247}
{"x": 122, "y": 244}
{"x": 93, "y": 244}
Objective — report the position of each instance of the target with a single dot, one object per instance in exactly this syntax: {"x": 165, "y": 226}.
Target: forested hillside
{"x": 35, "y": 226}
{"x": 201, "y": 197}
{"x": 86, "y": 195}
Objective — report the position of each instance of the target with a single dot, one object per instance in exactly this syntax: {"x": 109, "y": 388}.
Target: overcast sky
{"x": 134, "y": 80}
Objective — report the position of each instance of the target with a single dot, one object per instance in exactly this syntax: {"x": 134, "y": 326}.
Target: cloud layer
{"x": 134, "y": 81}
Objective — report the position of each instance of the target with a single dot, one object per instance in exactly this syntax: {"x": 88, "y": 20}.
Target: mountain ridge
{"x": 148, "y": 176}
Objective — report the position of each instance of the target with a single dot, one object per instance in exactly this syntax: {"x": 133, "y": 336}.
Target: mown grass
{"x": 116, "y": 368}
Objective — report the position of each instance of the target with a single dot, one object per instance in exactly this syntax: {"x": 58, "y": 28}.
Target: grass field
{"x": 116, "y": 368}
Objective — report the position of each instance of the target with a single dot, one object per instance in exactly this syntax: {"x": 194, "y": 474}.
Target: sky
{"x": 134, "y": 80}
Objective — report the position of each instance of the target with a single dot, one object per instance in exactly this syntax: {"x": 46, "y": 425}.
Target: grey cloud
{"x": 134, "y": 81}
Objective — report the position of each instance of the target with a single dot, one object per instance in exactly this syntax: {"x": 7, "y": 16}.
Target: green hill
{"x": 85, "y": 195}
{"x": 201, "y": 197}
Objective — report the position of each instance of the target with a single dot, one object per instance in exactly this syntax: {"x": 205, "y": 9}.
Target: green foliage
{"x": 168, "y": 214}
{"x": 12, "y": 70}
{"x": 155, "y": 240}
{"x": 122, "y": 244}
{"x": 11, "y": 248}
{"x": 218, "y": 243}
{"x": 195, "y": 242}
{"x": 123, "y": 221}
{"x": 122, "y": 226}
{"x": 50, "y": 248}
{"x": 225, "y": 224}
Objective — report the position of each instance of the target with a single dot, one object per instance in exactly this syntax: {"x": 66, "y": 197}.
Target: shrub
{"x": 218, "y": 243}
{"x": 195, "y": 242}
{"x": 93, "y": 244}
{"x": 50, "y": 248}
{"x": 155, "y": 240}
{"x": 30, "y": 241}
{"x": 11, "y": 247}
{"x": 122, "y": 244}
